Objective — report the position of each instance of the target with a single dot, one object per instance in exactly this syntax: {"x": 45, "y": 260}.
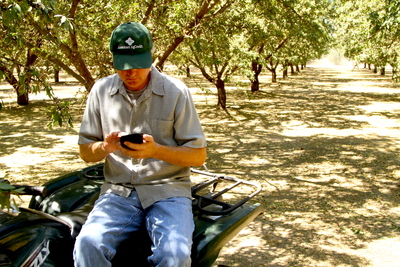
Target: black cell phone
{"x": 136, "y": 138}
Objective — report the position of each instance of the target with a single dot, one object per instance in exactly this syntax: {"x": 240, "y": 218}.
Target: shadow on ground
{"x": 324, "y": 144}
{"x": 328, "y": 164}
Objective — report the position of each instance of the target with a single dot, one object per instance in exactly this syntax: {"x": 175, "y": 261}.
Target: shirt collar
{"x": 155, "y": 84}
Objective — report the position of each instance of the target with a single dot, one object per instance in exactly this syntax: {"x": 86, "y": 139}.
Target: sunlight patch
{"x": 32, "y": 156}
{"x": 255, "y": 160}
{"x": 378, "y": 125}
{"x": 362, "y": 88}
{"x": 376, "y": 121}
{"x": 381, "y": 106}
{"x": 304, "y": 131}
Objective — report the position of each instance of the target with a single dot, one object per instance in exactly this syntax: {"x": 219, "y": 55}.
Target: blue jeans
{"x": 169, "y": 223}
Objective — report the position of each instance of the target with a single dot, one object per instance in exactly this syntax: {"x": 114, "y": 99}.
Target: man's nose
{"x": 131, "y": 72}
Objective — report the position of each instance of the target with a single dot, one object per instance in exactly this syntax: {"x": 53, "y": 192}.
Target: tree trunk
{"x": 188, "y": 72}
{"x": 56, "y": 75}
{"x": 291, "y": 69}
{"x": 22, "y": 97}
{"x": 22, "y": 90}
{"x": 273, "y": 73}
{"x": 22, "y": 93}
{"x": 395, "y": 76}
{"x": 285, "y": 69}
{"x": 285, "y": 73}
{"x": 221, "y": 93}
{"x": 255, "y": 83}
{"x": 383, "y": 71}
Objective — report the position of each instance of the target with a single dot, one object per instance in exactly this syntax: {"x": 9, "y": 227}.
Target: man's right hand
{"x": 111, "y": 142}
{"x": 97, "y": 151}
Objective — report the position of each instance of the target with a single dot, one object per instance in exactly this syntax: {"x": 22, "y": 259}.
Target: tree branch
{"x": 205, "y": 8}
{"x": 72, "y": 10}
{"x": 149, "y": 9}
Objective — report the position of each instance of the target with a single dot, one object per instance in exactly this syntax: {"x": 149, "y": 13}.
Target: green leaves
{"x": 65, "y": 23}
{"x": 222, "y": 37}
{"x": 13, "y": 13}
{"x": 59, "y": 115}
{"x": 370, "y": 32}
{"x": 5, "y": 194}
{"x": 6, "y": 187}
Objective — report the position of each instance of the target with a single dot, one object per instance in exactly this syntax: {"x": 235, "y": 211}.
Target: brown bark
{"x": 221, "y": 93}
{"x": 255, "y": 83}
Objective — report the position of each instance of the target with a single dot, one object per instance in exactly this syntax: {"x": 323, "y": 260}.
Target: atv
{"x": 44, "y": 233}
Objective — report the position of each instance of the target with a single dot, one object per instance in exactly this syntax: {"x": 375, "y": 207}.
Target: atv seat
{"x": 75, "y": 219}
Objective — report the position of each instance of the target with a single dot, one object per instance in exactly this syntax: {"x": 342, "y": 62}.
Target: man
{"x": 147, "y": 185}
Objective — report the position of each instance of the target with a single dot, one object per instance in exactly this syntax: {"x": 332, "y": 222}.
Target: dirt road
{"x": 324, "y": 144}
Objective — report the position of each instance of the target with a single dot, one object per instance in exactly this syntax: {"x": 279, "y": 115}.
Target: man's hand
{"x": 111, "y": 142}
{"x": 140, "y": 151}
{"x": 178, "y": 155}
{"x": 97, "y": 151}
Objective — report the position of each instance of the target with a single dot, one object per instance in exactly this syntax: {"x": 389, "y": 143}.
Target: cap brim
{"x": 138, "y": 61}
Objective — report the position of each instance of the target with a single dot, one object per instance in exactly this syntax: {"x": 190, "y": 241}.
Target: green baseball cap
{"x": 131, "y": 45}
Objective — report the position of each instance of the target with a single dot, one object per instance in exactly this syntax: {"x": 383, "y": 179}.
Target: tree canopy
{"x": 369, "y": 32}
{"x": 219, "y": 37}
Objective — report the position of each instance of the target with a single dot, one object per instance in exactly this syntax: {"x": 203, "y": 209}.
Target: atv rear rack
{"x": 211, "y": 203}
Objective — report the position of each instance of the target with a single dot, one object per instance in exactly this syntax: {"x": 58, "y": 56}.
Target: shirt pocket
{"x": 163, "y": 132}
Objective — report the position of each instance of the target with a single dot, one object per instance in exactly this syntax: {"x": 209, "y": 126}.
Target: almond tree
{"x": 218, "y": 49}
{"x": 288, "y": 25}
{"x": 175, "y": 22}
{"x": 74, "y": 35}
{"x": 385, "y": 31}
{"x": 368, "y": 31}
{"x": 249, "y": 36}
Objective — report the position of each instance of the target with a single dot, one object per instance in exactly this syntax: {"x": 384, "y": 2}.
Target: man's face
{"x": 135, "y": 79}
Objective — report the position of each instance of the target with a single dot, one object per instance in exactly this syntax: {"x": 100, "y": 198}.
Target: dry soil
{"x": 323, "y": 143}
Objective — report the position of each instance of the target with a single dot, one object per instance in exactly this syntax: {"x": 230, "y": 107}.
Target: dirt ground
{"x": 324, "y": 144}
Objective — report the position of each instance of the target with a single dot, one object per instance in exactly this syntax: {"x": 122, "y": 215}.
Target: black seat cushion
{"x": 75, "y": 219}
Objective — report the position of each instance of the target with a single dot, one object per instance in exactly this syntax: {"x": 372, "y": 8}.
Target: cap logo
{"x": 129, "y": 41}
{"x": 130, "y": 45}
